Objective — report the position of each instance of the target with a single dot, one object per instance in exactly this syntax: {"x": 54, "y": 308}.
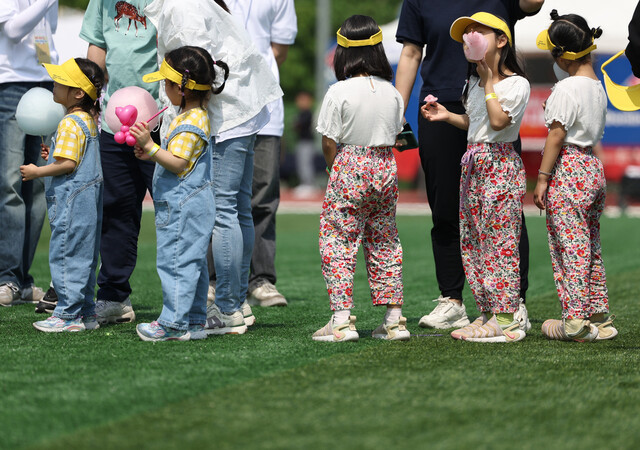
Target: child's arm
{"x": 552, "y": 147}
{"x": 147, "y": 149}
{"x": 329, "y": 148}
{"x": 498, "y": 118}
{"x": 435, "y": 112}
{"x": 61, "y": 166}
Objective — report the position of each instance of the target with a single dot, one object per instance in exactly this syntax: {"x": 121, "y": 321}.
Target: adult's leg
{"x": 264, "y": 204}
{"x": 22, "y": 204}
{"x": 441, "y": 149}
{"x": 126, "y": 180}
{"x": 233, "y": 234}
{"x": 523, "y": 245}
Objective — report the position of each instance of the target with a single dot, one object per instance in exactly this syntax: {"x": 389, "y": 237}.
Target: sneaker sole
{"x": 92, "y": 326}
{"x": 242, "y": 329}
{"x": 266, "y": 303}
{"x": 350, "y": 336}
{"x": 125, "y": 318}
{"x": 45, "y": 307}
{"x": 460, "y": 323}
{"x": 249, "y": 320}
{"x": 498, "y": 339}
{"x": 400, "y": 336}
{"x": 144, "y": 337}
{"x": 198, "y": 335}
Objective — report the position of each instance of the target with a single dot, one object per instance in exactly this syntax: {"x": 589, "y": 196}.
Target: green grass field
{"x": 275, "y": 388}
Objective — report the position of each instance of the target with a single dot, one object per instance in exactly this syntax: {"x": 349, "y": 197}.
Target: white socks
{"x": 392, "y": 315}
{"x": 341, "y": 316}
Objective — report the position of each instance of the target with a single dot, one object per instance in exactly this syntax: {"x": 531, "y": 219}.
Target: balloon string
{"x": 157, "y": 114}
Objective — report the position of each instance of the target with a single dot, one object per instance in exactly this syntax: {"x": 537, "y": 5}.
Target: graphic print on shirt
{"x": 124, "y": 9}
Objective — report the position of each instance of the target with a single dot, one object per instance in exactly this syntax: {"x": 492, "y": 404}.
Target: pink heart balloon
{"x": 475, "y": 46}
{"x": 127, "y": 115}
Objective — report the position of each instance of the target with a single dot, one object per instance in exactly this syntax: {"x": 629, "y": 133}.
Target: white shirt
{"x": 580, "y": 105}
{"x": 250, "y": 87}
{"x": 366, "y": 111}
{"x": 268, "y": 21}
{"x": 18, "y": 60}
{"x": 513, "y": 95}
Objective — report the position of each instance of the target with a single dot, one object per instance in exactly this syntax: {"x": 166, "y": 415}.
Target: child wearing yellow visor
{"x": 182, "y": 193}
{"x": 571, "y": 184}
{"x": 74, "y": 195}
{"x": 492, "y": 183}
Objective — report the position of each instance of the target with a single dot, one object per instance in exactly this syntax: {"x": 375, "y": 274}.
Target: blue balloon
{"x": 37, "y": 114}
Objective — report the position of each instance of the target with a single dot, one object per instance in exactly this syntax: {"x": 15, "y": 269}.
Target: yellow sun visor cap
{"x": 543, "y": 42}
{"x": 167, "y": 72}
{"x": 346, "y": 43}
{"x": 69, "y": 74}
{"x": 483, "y": 18}
{"x": 625, "y": 98}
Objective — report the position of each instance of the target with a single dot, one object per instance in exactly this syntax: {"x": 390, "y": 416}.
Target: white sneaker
{"x": 396, "y": 331}
{"x": 447, "y": 314}
{"x": 9, "y": 295}
{"x": 266, "y": 295}
{"x": 247, "y": 314}
{"x": 108, "y": 311}
{"x": 522, "y": 316}
{"x": 31, "y": 294}
{"x": 221, "y": 323}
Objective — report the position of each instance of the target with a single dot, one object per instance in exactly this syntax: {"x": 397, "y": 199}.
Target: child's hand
{"x": 44, "y": 152}
{"x": 141, "y": 132}
{"x": 140, "y": 153}
{"x": 540, "y": 193}
{"x": 484, "y": 71}
{"x": 29, "y": 172}
{"x": 434, "y": 112}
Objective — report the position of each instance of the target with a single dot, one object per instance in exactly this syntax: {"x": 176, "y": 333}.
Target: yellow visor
{"x": 69, "y": 74}
{"x": 625, "y": 98}
{"x": 167, "y": 72}
{"x": 544, "y": 43}
{"x": 373, "y": 40}
{"x": 483, "y": 18}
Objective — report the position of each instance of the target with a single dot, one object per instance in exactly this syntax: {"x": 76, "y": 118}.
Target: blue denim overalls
{"x": 185, "y": 215}
{"x": 74, "y": 205}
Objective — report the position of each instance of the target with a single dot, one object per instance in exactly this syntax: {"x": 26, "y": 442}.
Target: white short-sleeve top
{"x": 579, "y": 104}
{"x": 366, "y": 111}
{"x": 513, "y": 95}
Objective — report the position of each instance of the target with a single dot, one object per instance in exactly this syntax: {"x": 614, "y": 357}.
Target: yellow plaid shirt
{"x": 188, "y": 145}
{"x": 70, "y": 140}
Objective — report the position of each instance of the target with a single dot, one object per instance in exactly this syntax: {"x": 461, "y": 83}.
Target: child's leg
{"x": 599, "y": 297}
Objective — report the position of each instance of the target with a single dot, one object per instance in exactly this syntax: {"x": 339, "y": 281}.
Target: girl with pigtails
{"x": 571, "y": 185}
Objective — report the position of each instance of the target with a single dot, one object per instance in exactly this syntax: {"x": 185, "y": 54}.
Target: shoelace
{"x": 443, "y": 302}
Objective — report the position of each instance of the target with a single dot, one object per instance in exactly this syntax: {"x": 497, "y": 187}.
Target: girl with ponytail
{"x": 571, "y": 185}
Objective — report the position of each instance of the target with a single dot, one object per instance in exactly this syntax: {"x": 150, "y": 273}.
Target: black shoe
{"x": 48, "y": 302}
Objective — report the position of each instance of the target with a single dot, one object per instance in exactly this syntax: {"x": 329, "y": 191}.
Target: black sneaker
{"x": 48, "y": 302}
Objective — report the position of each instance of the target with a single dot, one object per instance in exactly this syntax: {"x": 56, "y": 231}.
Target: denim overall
{"x": 74, "y": 206}
{"x": 185, "y": 215}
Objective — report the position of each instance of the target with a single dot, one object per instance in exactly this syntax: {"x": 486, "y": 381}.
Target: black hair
{"x": 222, "y": 5}
{"x": 95, "y": 74}
{"x": 571, "y": 33}
{"x": 369, "y": 60}
{"x": 195, "y": 63}
{"x": 508, "y": 59}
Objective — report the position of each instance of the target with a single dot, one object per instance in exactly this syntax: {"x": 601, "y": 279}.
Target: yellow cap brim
{"x": 69, "y": 74}
{"x": 153, "y": 77}
{"x": 488, "y": 20}
{"x": 624, "y": 98}
{"x": 543, "y": 42}
{"x": 167, "y": 72}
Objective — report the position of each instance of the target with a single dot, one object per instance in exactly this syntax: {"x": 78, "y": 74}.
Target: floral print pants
{"x": 492, "y": 186}
{"x": 575, "y": 201}
{"x": 360, "y": 206}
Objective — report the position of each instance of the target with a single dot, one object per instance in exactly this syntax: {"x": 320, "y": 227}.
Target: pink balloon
{"x": 134, "y": 96}
{"x": 475, "y": 46}
{"x": 127, "y": 115}
{"x": 124, "y": 129}
{"x": 131, "y": 141}
{"x": 120, "y": 137}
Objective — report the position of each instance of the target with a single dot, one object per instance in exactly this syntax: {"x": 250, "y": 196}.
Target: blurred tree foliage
{"x": 297, "y": 73}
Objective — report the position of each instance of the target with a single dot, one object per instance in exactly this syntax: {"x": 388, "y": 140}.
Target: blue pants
{"x": 126, "y": 180}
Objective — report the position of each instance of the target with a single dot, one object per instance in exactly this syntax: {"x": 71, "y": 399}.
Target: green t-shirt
{"x": 129, "y": 38}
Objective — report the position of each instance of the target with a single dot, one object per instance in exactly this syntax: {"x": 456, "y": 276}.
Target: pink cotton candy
{"x": 430, "y": 99}
{"x": 475, "y": 46}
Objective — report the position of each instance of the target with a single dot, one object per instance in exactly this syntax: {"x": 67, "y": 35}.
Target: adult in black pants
{"x": 443, "y": 72}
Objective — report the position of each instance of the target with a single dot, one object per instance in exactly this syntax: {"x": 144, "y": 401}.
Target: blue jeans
{"x": 233, "y": 234}
{"x": 22, "y": 204}
{"x": 185, "y": 213}
{"x": 74, "y": 203}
